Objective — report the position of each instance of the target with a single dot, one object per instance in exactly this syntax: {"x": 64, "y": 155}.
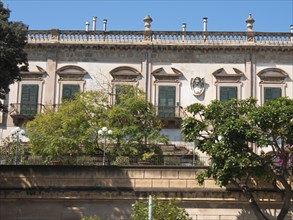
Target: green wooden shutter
{"x": 227, "y": 93}
{"x": 69, "y": 91}
{"x": 167, "y": 97}
{"x": 29, "y": 99}
{"x": 271, "y": 93}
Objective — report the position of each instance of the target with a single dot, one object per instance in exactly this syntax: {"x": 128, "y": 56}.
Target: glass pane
{"x": 167, "y": 95}
{"x": 227, "y": 93}
{"x": 271, "y": 93}
{"x": 69, "y": 91}
{"x": 29, "y": 99}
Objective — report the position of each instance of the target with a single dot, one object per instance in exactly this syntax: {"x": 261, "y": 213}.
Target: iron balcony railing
{"x": 170, "y": 112}
{"x": 25, "y": 109}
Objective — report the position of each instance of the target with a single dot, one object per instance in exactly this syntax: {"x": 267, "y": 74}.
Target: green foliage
{"x": 167, "y": 210}
{"x": 12, "y": 55}
{"x": 227, "y": 131}
{"x": 11, "y": 151}
{"x": 71, "y": 130}
{"x": 134, "y": 123}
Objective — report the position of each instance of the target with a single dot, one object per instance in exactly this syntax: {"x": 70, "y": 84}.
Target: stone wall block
{"x": 136, "y": 174}
{"x": 178, "y": 183}
{"x": 172, "y": 174}
{"x": 190, "y": 184}
{"x": 190, "y": 174}
{"x": 161, "y": 183}
{"x": 143, "y": 183}
{"x": 153, "y": 174}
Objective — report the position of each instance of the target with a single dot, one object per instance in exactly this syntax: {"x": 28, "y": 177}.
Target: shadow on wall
{"x": 247, "y": 214}
{"x": 64, "y": 192}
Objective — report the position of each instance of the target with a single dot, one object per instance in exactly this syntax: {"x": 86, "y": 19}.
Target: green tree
{"x": 135, "y": 125}
{"x": 73, "y": 128}
{"x": 12, "y": 54}
{"x": 228, "y": 132}
{"x": 70, "y": 130}
{"x": 168, "y": 210}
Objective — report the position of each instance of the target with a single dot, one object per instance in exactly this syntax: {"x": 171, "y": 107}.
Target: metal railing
{"x": 26, "y": 109}
{"x": 160, "y": 37}
{"x": 88, "y": 160}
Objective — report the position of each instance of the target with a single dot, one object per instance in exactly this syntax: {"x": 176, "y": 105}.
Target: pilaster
{"x": 51, "y": 81}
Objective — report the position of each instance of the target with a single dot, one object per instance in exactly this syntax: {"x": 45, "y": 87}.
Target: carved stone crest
{"x": 197, "y": 86}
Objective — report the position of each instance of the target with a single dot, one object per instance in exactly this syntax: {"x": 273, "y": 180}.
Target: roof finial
{"x": 250, "y": 22}
{"x": 147, "y": 23}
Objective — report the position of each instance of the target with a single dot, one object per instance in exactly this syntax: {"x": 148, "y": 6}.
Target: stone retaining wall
{"x": 69, "y": 192}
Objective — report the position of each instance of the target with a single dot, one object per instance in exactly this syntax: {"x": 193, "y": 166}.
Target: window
{"x": 166, "y": 102}
{"x": 272, "y": 84}
{"x": 71, "y": 80}
{"x": 228, "y": 84}
{"x": 29, "y": 99}
{"x": 69, "y": 91}
{"x": 271, "y": 93}
{"x": 227, "y": 93}
{"x": 123, "y": 75}
{"x": 167, "y": 95}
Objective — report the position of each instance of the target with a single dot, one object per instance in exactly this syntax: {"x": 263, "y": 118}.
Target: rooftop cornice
{"x": 156, "y": 47}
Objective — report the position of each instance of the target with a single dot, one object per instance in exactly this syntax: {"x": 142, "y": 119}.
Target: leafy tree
{"x": 70, "y": 130}
{"x": 135, "y": 125}
{"x": 73, "y": 128}
{"x": 228, "y": 132}
{"x": 168, "y": 210}
{"x": 12, "y": 151}
{"x": 12, "y": 54}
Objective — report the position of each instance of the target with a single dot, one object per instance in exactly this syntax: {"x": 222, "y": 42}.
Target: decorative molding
{"x": 71, "y": 73}
{"x": 33, "y": 75}
{"x": 272, "y": 75}
{"x": 197, "y": 86}
{"x": 161, "y": 75}
{"x": 125, "y": 74}
{"x": 222, "y": 76}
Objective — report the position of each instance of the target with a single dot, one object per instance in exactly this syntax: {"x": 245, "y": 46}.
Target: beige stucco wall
{"x": 192, "y": 61}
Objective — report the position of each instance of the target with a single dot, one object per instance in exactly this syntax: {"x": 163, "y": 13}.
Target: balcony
{"x": 171, "y": 116}
{"x": 23, "y": 112}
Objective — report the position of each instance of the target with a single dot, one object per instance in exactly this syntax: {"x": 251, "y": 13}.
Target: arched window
{"x": 272, "y": 83}
{"x": 71, "y": 81}
{"x": 123, "y": 75}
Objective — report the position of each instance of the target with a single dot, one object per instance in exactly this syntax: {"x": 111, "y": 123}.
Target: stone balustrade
{"x": 160, "y": 37}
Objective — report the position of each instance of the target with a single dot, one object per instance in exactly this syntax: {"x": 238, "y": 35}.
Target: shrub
{"x": 167, "y": 210}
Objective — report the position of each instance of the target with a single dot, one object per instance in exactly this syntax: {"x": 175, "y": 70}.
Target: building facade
{"x": 174, "y": 68}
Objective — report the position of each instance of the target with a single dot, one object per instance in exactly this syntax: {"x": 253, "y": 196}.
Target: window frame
{"x": 223, "y": 79}
{"x": 162, "y": 78}
{"x": 70, "y": 75}
{"x": 272, "y": 78}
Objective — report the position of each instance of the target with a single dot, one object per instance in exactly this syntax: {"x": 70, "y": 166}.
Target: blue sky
{"x": 230, "y": 15}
